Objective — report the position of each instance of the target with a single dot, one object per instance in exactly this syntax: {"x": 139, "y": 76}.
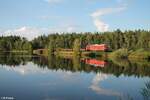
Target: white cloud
{"x": 27, "y": 32}
{"x": 72, "y": 28}
{"x": 102, "y": 1}
{"x": 33, "y": 32}
{"x": 53, "y": 1}
{"x": 105, "y": 11}
{"x": 100, "y": 25}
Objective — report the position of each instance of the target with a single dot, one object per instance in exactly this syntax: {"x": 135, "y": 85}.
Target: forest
{"x": 131, "y": 40}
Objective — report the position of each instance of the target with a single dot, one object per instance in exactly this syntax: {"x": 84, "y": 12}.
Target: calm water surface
{"x": 40, "y": 78}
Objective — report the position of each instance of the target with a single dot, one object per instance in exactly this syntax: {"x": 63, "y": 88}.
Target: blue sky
{"x": 31, "y": 18}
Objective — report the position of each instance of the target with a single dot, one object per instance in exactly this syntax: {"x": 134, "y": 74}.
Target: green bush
{"x": 120, "y": 53}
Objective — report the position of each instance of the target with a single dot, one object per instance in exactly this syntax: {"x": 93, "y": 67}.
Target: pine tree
{"x": 76, "y": 46}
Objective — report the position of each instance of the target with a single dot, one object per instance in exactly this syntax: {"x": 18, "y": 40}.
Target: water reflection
{"x": 14, "y": 60}
{"x": 29, "y": 68}
{"x": 75, "y": 64}
{"x": 146, "y": 91}
{"x": 96, "y": 63}
{"x": 96, "y": 87}
{"x": 73, "y": 78}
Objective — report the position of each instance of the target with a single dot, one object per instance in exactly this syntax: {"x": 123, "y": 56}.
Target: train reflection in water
{"x": 96, "y": 63}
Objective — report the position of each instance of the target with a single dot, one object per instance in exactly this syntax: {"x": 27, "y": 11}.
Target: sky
{"x": 32, "y": 18}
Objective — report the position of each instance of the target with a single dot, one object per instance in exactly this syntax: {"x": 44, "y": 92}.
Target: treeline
{"x": 14, "y": 43}
{"x": 116, "y": 40}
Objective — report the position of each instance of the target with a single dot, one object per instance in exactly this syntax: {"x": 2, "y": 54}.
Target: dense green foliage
{"x": 116, "y": 40}
{"x": 15, "y": 43}
{"x": 130, "y": 54}
{"x": 77, "y": 46}
{"x": 50, "y": 47}
{"x": 120, "y": 53}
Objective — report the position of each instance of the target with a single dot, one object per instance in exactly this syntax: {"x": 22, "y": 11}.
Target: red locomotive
{"x": 97, "y": 47}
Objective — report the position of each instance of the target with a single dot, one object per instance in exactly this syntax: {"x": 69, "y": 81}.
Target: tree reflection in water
{"x": 146, "y": 91}
{"x": 75, "y": 64}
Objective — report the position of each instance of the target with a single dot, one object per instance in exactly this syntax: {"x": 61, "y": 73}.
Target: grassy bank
{"x": 118, "y": 54}
{"x": 130, "y": 54}
{"x": 71, "y": 53}
{"x": 140, "y": 54}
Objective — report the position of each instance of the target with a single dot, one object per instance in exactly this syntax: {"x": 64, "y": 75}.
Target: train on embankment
{"x": 89, "y": 48}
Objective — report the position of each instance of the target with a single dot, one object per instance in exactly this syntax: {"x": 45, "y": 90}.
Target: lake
{"x": 54, "y": 78}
